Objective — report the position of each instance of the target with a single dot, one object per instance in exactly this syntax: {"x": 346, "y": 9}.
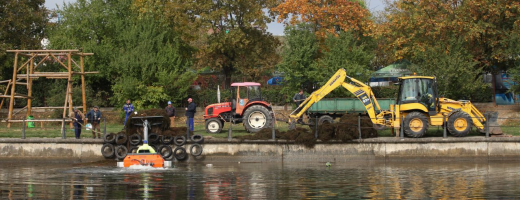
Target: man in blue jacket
{"x": 94, "y": 117}
{"x": 190, "y": 113}
{"x": 128, "y": 108}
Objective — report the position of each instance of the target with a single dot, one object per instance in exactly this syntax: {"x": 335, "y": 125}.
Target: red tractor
{"x": 246, "y": 107}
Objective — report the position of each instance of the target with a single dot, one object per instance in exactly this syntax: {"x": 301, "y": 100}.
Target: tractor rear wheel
{"x": 459, "y": 124}
{"x": 415, "y": 125}
{"x": 213, "y": 125}
{"x": 256, "y": 118}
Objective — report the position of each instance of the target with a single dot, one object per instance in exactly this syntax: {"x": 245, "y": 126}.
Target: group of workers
{"x": 94, "y": 117}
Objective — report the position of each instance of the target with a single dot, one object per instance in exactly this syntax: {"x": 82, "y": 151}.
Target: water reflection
{"x": 373, "y": 180}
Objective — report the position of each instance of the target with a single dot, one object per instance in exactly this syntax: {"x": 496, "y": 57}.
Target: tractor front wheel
{"x": 213, "y": 125}
{"x": 256, "y": 118}
{"x": 459, "y": 124}
{"x": 415, "y": 125}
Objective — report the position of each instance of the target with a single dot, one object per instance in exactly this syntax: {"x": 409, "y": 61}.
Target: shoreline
{"x": 283, "y": 151}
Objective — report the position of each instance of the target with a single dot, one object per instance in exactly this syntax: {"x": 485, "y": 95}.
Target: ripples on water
{"x": 370, "y": 180}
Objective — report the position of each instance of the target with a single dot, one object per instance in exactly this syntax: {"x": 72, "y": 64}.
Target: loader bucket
{"x": 492, "y": 123}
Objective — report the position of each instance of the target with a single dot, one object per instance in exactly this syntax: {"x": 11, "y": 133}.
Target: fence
{"x": 358, "y": 127}
{"x": 63, "y": 129}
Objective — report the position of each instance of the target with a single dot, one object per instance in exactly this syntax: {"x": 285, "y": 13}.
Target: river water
{"x": 357, "y": 180}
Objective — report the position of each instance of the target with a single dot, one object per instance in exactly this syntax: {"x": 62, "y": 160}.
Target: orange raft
{"x": 145, "y": 156}
{"x": 144, "y": 159}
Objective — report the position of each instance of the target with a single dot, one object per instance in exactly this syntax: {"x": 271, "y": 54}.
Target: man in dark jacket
{"x": 170, "y": 111}
{"x": 190, "y": 112}
{"x": 298, "y": 99}
{"x": 128, "y": 108}
{"x": 94, "y": 117}
{"x": 77, "y": 116}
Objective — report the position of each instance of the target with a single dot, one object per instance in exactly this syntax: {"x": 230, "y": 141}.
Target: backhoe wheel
{"x": 256, "y": 118}
{"x": 415, "y": 125}
{"x": 213, "y": 125}
{"x": 459, "y": 124}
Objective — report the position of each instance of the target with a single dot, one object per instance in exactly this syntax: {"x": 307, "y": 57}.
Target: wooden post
{"x": 69, "y": 68}
{"x": 29, "y": 86}
{"x": 5, "y": 93}
{"x": 83, "y": 84}
{"x": 13, "y": 86}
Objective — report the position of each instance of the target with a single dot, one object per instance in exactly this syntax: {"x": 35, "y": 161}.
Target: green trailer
{"x": 326, "y": 110}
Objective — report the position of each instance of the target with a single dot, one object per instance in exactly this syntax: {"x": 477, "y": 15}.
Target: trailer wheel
{"x": 107, "y": 150}
{"x": 256, "y": 118}
{"x": 415, "y": 125}
{"x": 121, "y": 152}
{"x": 459, "y": 124}
{"x": 135, "y": 139}
{"x": 165, "y": 151}
{"x": 325, "y": 119}
{"x": 213, "y": 125}
{"x": 180, "y": 153}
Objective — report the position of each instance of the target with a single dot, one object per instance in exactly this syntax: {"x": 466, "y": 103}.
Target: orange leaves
{"x": 327, "y": 15}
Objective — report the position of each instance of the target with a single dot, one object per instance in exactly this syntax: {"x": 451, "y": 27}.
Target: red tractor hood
{"x": 214, "y": 110}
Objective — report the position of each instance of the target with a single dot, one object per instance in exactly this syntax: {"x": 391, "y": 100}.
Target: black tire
{"x": 121, "y": 152}
{"x": 459, "y": 124}
{"x": 180, "y": 153}
{"x": 135, "y": 139}
{"x": 213, "y": 125}
{"x": 109, "y": 138}
{"x": 107, "y": 150}
{"x": 165, "y": 151}
{"x": 133, "y": 149}
{"x": 198, "y": 150}
{"x": 415, "y": 125}
{"x": 179, "y": 140}
{"x": 121, "y": 138}
{"x": 197, "y": 138}
{"x": 166, "y": 139}
{"x": 153, "y": 138}
{"x": 325, "y": 119}
{"x": 256, "y": 118}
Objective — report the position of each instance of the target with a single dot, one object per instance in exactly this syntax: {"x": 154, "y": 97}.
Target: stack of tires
{"x": 170, "y": 147}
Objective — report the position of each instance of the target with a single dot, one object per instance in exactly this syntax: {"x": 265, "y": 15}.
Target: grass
{"x": 54, "y": 130}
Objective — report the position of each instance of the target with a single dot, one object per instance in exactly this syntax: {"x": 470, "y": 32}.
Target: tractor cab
{"x": 243, "y": 93}
{"x": 418, "y": 90}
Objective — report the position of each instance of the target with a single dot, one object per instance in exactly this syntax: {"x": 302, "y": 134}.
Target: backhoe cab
{"x": 417, "y": 107}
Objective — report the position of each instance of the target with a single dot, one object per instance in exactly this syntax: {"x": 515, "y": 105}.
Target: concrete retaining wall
{"x": 219, "y": 150}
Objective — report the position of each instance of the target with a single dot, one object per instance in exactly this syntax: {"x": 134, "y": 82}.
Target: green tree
{"x": 457, "y": 77}
{"x": 139, "y": 56}
{"x": 308, "y": 65}
{"x": 22, "y": 24}
{"x": 231, "y": 35}
{"x": 299, "y": 56}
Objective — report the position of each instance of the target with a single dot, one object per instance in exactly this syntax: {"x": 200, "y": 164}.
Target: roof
{"x": 245, "y": 84}
{"x": 412, "y": 77}
{"x": 396, "y": 69}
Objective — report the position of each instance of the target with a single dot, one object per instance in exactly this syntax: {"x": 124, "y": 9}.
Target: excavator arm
{"x": 362, "y": 91}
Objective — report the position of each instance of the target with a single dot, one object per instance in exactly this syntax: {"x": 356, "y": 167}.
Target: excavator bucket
{"x": 492, "y": 123}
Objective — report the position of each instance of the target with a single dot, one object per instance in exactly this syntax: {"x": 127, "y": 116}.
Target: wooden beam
{"x": 37, "y": 120}
{"x": 6, "y": 81}
{"x": 13, "y": 86}
{"x": 15, "y": 96}
{"x": 41, "y": 51}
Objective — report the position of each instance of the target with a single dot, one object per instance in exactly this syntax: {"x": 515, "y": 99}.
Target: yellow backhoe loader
{"x": 417, "y": 107}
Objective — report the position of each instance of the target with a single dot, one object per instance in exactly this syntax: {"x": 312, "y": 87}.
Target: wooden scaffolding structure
{"x": 28, "y": 59}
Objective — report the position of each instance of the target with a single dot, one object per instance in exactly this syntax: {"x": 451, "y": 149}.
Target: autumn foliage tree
{"x": 230, "y": 36}
{"x": 486, "y": 27}
{"x": 328, "y": 16}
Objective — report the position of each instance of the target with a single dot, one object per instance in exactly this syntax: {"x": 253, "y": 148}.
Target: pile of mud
{"x": 345, "y": 130}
